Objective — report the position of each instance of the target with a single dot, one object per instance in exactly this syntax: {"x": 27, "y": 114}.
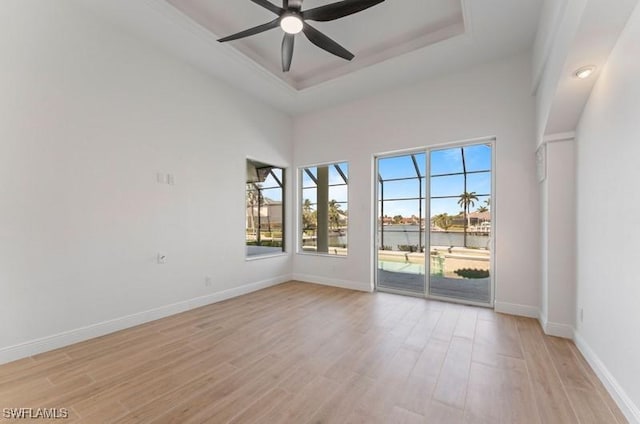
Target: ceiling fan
{"x": 292, "y": 19}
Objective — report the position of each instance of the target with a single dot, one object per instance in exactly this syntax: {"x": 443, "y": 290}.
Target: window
{"x": 264, "y": 232}
{"x": 324, "y": 209}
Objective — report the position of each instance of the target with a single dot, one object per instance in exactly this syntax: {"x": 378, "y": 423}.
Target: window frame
{"x": 284, "y": 227}
{"x": 300, "y": 198}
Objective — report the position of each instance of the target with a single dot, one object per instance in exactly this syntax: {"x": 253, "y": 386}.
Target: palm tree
{"x": 467, "y": 200}
{"x": 482, "y": 209}
{"x": 335, "y": 214}
{"x": 307, "y": 214}
{"x": 252, "y": 200}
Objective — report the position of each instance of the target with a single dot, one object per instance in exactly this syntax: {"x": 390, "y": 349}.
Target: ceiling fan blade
{"x": 252, "y": 31}
{"x": 338, "y": 10}
{"x": 269, "y": 6}
{"x": 287, "y": 51}
{"x": 326, "y": 43}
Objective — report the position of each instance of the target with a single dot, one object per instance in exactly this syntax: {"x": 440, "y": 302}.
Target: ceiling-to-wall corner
{"x": 548, "y": 25}
{"x": 173, "y": 31}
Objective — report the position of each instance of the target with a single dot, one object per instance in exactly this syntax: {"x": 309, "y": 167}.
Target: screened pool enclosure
{"x": 434, "y": 223}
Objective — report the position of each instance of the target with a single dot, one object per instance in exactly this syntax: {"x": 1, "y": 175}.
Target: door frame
{"x": 427, "y": 214}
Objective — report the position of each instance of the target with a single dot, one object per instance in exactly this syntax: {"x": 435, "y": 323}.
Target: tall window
{"x": 264, "y": 233}
{"x": 324, "y": 209}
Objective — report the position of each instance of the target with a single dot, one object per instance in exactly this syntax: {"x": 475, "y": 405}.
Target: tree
{"x": 308, "y": 215}
{"x": 335, "y": 214}
{"x": 397, "y": 219}
{"x": 482, "y": 209}
{"x": 443, "y": 221}
{"x": 252, "y": 200}
{"x": 466, "y": 201}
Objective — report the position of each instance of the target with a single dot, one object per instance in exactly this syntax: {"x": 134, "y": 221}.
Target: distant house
{"x": 270, "y": 216}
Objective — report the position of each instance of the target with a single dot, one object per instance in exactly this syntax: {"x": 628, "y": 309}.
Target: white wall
{"x": 608, "y": 208}
{"x": 558, "y": 213}
{"x": 551, "y": 15}
{"x": 88, "y": 115}
{"x": 488, "y": 100}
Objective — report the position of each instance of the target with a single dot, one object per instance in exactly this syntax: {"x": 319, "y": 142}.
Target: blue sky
{"x": 444, "y": 161}
{"x": 271, "y": 188}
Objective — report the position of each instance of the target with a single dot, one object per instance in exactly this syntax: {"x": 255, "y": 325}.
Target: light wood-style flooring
{"x": 303, "y": 353}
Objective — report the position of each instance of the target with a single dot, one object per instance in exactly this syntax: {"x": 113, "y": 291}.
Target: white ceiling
{"x": 386, "y": 55}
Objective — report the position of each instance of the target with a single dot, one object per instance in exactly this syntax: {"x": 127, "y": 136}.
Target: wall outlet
{"x": 171, "y": 179}
{"x": 208, "y": 281}
{"x": 162, "y": 258}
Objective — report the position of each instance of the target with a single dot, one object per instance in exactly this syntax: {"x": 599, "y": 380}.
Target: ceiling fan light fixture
{"x": 291, "y": 23}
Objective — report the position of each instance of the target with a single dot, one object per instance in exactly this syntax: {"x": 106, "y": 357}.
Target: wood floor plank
{"x": 306, "y": 353}
{"x": 500, "y": 396}
{"x": 421, "y": 332}
{"x": 446, "y": 325}
{"x": 105, "y": 413}
{"x": 451, "y": 388}
{"x": 598, "y": 386}
{"x": 106, "y": 390}
{"x": 466, "y": 325}
{"x": 417, "y": 391}
{"x": 378, "y": 402}
{"x": 439, "y": 413}
{"x": 342, "y": 402}
{"x": 305, "y": 403}
{"x": 551, "y": 398}
{"x": 584, "y": 397}
{"x": 256, "y": 412}
{"x": 403, "y": 416}
{"x": 500, "y": 336}
{"x": 164, "y": 403}
{"x": 236, "y": 395}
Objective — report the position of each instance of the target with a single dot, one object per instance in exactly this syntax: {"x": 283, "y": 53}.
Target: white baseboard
{"x": 558, "y": 330}
{"x": 555, "y": 329}
{"x": 345, "y": 284}
{"x": 516, "y": 309}
{"x": 66, "y": 338}
{"x": 626, "y": 405}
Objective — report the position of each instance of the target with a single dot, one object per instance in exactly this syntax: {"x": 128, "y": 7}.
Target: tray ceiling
{"x": 382, "y": 32}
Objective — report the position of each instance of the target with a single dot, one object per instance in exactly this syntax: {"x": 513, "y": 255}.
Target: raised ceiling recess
{"x": 390, "y": 29}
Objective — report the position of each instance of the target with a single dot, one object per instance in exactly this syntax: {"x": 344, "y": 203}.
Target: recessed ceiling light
{"x": 585, "y": 72}
{"x": 291, "y": 24}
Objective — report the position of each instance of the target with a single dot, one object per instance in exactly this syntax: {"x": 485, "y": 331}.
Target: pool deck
{"x": 475, "y": 290}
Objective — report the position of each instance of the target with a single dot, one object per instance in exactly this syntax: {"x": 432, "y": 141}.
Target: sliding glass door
{"x": 434, "y": 223}
{"x": 460, "y": 231}
{"x": 400, "y": 217}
